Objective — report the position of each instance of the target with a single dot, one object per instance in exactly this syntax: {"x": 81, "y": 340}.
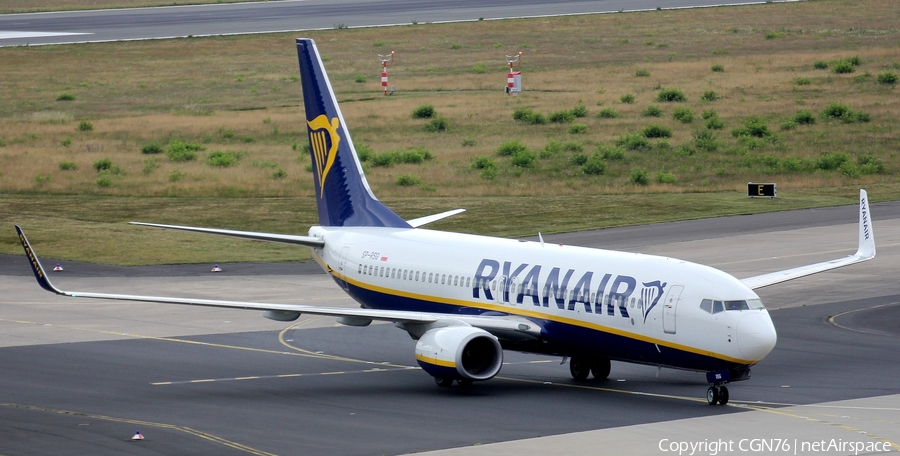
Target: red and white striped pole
{"x": 512, "y": 61}
{"x": 386, "y": 61}
{"x": 510, "y": 81}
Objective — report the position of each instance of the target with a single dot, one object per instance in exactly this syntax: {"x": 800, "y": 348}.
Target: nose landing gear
{"x": 717, "y": 394}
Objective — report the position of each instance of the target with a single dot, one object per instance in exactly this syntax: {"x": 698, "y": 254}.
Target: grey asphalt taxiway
{"x": 81, "y": 376}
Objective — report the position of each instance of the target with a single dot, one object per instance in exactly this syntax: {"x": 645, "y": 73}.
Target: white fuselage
{"x": 625, "y": 306}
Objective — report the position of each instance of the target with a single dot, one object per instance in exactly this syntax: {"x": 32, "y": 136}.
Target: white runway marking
{"x": 6, "y": 35}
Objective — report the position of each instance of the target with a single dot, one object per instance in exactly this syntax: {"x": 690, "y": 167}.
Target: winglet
{"x": 866, "y": 248}
{"x": 39, "y": 273}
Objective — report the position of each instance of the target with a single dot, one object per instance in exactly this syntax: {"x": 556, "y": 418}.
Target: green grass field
{"x": 757, "y": 107}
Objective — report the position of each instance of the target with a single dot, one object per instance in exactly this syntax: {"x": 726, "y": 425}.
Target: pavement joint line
{"x": 303, "y": 352}
{"x": 799, "y": 255}
{"x": 826, "y": 422}
{"x": 830, "y": 320}
{"x": 142, "y": 423}
{"x": 609, "y": 390}
{"x": 269, "y": 377}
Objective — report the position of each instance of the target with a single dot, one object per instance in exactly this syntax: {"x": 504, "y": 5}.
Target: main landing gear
{"x": 717, "y": 394}
{"x": 580, "y": 367}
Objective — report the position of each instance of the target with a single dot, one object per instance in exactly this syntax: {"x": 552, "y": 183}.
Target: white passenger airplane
{"x": 466, "y": 298}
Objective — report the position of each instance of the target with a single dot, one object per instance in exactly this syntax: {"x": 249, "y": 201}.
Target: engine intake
{"x": 459, "y": 353}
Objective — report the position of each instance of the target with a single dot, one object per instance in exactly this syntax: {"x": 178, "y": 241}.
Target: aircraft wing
{"x": 503, "y": 327}
{"x": 308, "y": 241}
{"x": 417, "y": 222}
{"x": 865, "y": 251}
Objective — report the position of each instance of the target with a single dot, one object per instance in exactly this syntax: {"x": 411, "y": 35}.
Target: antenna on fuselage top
{"x": 541, "y": 238}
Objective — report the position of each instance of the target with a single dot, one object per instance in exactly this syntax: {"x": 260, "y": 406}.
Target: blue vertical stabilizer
{"x": 342, "y": 193}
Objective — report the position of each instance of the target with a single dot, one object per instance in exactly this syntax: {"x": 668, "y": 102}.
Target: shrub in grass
{"x": 103, "y": 165}
{"x": 580, "y": 110}
{"x": 753, "y": 127}
{"x": 510, "y": 148}
{"x": 773, "y": 35}
{"x": 788, "y": 125}
{"x": 887, "y": 78}
{"x": 709, "y": 95}
{"x": 670, "y": 96}
{"x": 479, "y": 68}
{"x": 150, "y": 165}
{"x": 406, "y": 180}
{"x": 383, "y": 160}
{"x": 855, "y": 60}
{"x": 561, "y": 117}
{"x": 469, "y": 142}
{"x": 705, "y": 140}
{"x": 842, "y": 112}
{"x": 714, "y": 123}
{"x": 437, "y": 124}
{"x": 792, "y": 165}
{"x": 804, "y": 117}
{"x": 820, "y": 65}
{"x": 709, "y": 114}
{"x": 552, "y": 148}
{"x": 656, "y": 131}
{"x": 152, "y": 148}
{"x": 628, "y": 98}
{"x": 579, "y": 159}
{"x": 594, "y": 166}
{"x": 652, "y": 111}
{"x": 642, "y": 73}
{"x": 65, "y": 97}
{"x": 84, "y": 125}
{"x": 639, "y": 177}
{"x": 631, "y": 141}
{"x": 843, "y": 67}
{"x": 489, "y": 173}
{"x": 279, "y": 174}
{"x": 527, "y": 115}
{"x": 717, "y": 68}
{"x": 663, "y": 177}
{"x": 869, "y": 163}
{"x": 577, "y": 129}
{"x": 832, "y": 160}
{"x": 66, "y": 142}
{"x": 363, "y": 151}
{"x": 802, "y": 81}
{"x": 67, "y": 166}
{"x": 182, "y": 151}
{"x": 425, "y": 111}
{"x": 359, "y": 79}
{"x": 608, "y": 113}
{"x": 572, "y": 146}
{"x": 103, "y": 181}
{"x": 176, "y": 176}
{"x": 523, "y": 159}
{"x": 850, "y": 170}
{"x": 683, "y": 114}
{"x": 611, "y": 153}
{"x": 219, "y": 159}
{"x": 483, "y": 162}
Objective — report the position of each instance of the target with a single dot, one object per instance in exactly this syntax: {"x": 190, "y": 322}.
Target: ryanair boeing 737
{"x": 466, "y": 298}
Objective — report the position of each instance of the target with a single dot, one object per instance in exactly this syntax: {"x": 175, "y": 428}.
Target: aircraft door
{"x": 670, "y": 305}
{"x": 513, "y": 291}
{"x": 501, "y": 296}
{"x": 342, "y": 267}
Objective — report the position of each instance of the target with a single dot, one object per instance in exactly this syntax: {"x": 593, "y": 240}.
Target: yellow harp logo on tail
{"x": 324, "y": 140}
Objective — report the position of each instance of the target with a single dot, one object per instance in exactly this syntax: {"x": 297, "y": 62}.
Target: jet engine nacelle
{"x": 459, "y": 353}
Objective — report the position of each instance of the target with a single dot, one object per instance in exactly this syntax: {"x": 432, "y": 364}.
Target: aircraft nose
{"x": 756, "y": 335}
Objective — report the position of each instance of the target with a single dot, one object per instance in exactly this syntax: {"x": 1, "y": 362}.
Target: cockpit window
{"x": 715, "y": 307}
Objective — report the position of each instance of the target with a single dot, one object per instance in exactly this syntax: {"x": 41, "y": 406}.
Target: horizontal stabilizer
{"x": 308, "y": 241}
{"x": 417, "y": 222}
{"x": 865, "y": 251}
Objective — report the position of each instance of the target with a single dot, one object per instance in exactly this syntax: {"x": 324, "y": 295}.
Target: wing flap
{"x": 864, "y": 252}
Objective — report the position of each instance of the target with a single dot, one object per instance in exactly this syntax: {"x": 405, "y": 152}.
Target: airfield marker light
{"x": 216, "y": 268}
{"x": 58, "y": 267}
{"x": 386, "y": 61}
{"x": 513, "y": 78}
{"x": 137, "y": 436}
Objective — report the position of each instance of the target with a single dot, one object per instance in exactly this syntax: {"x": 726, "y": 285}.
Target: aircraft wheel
{"x": 441, "y": 381}
{"x": 723, "y": 395}
{"x": 465, "y": 382}
{"x": 600, "y": 368}
{"x": 712, "y": 395}
{"x": 579, "y": 368}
